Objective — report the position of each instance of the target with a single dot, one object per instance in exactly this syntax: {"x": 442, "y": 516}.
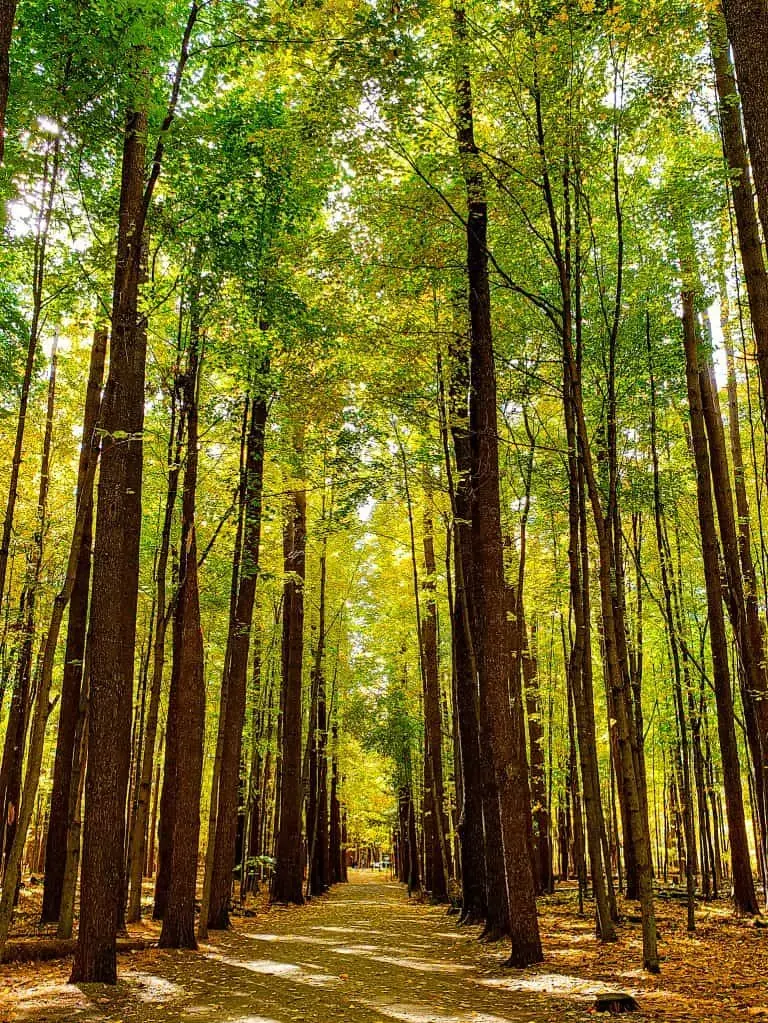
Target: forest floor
{"x": 364, "y": 953}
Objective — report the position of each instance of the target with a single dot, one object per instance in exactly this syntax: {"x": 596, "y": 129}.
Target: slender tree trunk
{"x": 665, "y": 565}
{"x": 287, "y": 880}
{"x": 69, "y": 885}
{"x": 7, "y": 18}
{"x": 470, "y": 826}
{"x": 236, "y": 687}
{"x": 335, "y": 849}
{"x": 179, "y": 917}
{"x": 754, "y": 622}
{"x": 138, "y": 843}
{"x": 744, "y": 891}
{"x": 13, "y": 754}
{"x": 69, "y": 709}
{"x": 580, "y": 682}
{"x": 740, "y": 181}
{"x": 210, "y": 849}
{"x": 505, "y": 715}
{"x": 317, "y": 820}
{"x": 748, "y": 31}
{"x": 42, "y": 710}
{"x": 434, "y": 787}
{"x": 743, "y": 613}
{"x": 526, "y": 659}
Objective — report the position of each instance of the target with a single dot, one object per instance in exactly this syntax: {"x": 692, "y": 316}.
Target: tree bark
{"x": 747, "y": 22}
{"x": 115, "y": 588}
{"x": 470, "y": 827}
{"x": 7, "y": 18}
{"x": 69, "y": 709}
{"x": 505, "y": 715}
{"x": 434, "y": 786}
{"x": 179, "y": 918}
{"x": 13, "y": 753}
{"x": 287, "y": 880}
{"x": 744, "y": 891}
{"x": 236, "y": 687}
{"x": 138, "y": 842}
{"x": 735, "y": 151}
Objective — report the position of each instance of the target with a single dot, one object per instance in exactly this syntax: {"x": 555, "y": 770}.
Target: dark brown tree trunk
{"x": 69, "y": 884}
{"x": 747, "y": 23}
{"x": 69, "y": 709}
{"x": 409, "y": 851}
{"x": 317, "y": 816}
{"x": 287, "y": 880}
{"x": 526, "y": 661}
{"x": 189, "y": 700}
{"x": 470, "y": 826}
{"x": 744, "y": 890}
{"x": 138, "y": 843}
{"x": 754, "y": 622}
{"x": 115, "y": 585}
{"x": 665, "y": 564}
{"x": 236, "y": 686}
{"x": 744, "y": 614}
{"x": 7, "y": 18}
{"x": 438, "y": 856}
{"x": 210, "y": 850}
{"x": 13, "y": 752}
{"x": 579, "y": 851}
{"x": 615, "y": 662}
{"x": 115, "y": 588}
{"x": 504, "y": 715}
{"x": 735, "y": 151}
{"x": 335, "y": 850}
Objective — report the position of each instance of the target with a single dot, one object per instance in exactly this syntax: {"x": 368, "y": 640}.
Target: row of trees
{"x": 398, "y": 339}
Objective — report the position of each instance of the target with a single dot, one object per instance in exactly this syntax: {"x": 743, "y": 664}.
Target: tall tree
{"x": 69, "y": 703}
{"x": 504, "y": 717}
{"x": 287, "y": 880}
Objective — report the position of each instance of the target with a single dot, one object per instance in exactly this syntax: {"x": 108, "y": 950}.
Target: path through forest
{"x": 363, "y": 954}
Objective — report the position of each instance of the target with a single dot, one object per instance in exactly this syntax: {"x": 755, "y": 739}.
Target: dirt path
{"x": 362, "y": 954}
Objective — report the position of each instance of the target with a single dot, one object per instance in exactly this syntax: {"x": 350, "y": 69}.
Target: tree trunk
{"x": 179, "y": 918}
{"x": 13, "y": 753}
{"x": 317, "y": 820}
{"x": 744, "y": 891}
{"x": 210, "y": 849}
{"x": 116, "y": 559}
{"x": 666, "y": 567}
{"x": 504, "y": 715}
{"x": 115, "y": 588}
{"x": 138, "y": 843}
{"x": 334, "y": 843}
{"x": 434, "y": 788}
{"x": 744, "y": 614}
{"x": 42, "y": 709}
{"x": 735, "y": 151}
{"x": 7, "y": 18}
{"x": 236, "y": 687}
{"x": 69, "y": 709}
{"x": 748, "y": 31}
{"x": 470, "y": 827}
{"x": 287, "y": 880}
